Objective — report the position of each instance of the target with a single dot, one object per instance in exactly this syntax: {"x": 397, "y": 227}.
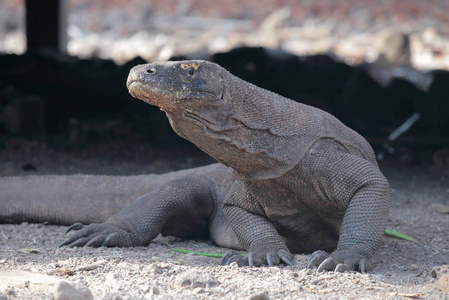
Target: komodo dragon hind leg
{"x": 182, "y": 207}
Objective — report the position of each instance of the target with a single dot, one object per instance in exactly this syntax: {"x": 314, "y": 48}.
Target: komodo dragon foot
{"x": 98, "y": 235}
{"x": 339, "y": 261}
{"x": 257, "y": 259}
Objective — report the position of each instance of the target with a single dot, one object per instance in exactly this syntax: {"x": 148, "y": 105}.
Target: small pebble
{"x": 260, "y": 296}
{"x": 67, "y": 291}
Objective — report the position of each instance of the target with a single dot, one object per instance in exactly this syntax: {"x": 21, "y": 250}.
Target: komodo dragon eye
{"x": 191, "y": 71}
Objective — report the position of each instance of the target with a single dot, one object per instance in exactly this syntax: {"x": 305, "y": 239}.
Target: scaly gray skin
{"x": 301, "y": 181}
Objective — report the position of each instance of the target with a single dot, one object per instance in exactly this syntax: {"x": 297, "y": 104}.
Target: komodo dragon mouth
{"x": 145, "y": 91}
{"x": 152, "y": 94}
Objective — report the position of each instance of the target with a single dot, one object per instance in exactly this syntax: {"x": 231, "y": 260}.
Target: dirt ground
{"x": 402, "y": 269}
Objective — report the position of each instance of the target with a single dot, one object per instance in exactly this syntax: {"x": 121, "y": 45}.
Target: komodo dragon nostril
{"x": 150, "y": 70}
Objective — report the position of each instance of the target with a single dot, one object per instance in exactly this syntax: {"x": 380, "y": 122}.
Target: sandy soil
{"x": 402, "y": 269}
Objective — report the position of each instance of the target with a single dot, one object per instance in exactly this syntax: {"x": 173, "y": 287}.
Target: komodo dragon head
{"x": 177, "y": 86}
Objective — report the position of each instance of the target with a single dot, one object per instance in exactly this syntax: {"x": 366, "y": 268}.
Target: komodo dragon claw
{"x": 287, "y": 260}
{"x": 97, "y": 235}
{"x": 75, "y": 226}
{"x": 234, "y": 257}
{"x": 339, "y": 261}
{"x": 270, "y": 257}
{"x": 255, "y": 260}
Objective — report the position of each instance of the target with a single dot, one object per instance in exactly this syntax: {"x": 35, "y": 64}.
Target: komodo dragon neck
{"x": 256, "y": 132}
{"x": 248, "y": 130}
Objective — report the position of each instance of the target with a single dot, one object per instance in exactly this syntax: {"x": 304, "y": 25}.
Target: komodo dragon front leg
{"x": 182, "y": 208}
{"x": 365, "y": 193}
{"x": 186, "y": 206}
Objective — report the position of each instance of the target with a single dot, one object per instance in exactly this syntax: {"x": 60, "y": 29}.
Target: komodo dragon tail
{"x": 68, "y": 199}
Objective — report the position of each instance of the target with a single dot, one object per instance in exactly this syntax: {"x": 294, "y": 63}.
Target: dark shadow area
{"x": 69, "y": 102}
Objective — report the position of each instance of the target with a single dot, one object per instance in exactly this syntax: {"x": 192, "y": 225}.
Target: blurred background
{"x": 157, "y": 30}
{"x": 382, "y": 67}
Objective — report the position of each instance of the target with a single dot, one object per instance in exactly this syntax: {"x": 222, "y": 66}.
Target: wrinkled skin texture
{"x": 296, "y": 179}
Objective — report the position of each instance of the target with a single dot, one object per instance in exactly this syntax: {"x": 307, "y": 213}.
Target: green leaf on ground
{"x": 396, "y": 234}
{"x": 219, "y": 255}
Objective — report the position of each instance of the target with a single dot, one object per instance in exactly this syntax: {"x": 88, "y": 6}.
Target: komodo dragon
{"x": 292, "y": 178}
